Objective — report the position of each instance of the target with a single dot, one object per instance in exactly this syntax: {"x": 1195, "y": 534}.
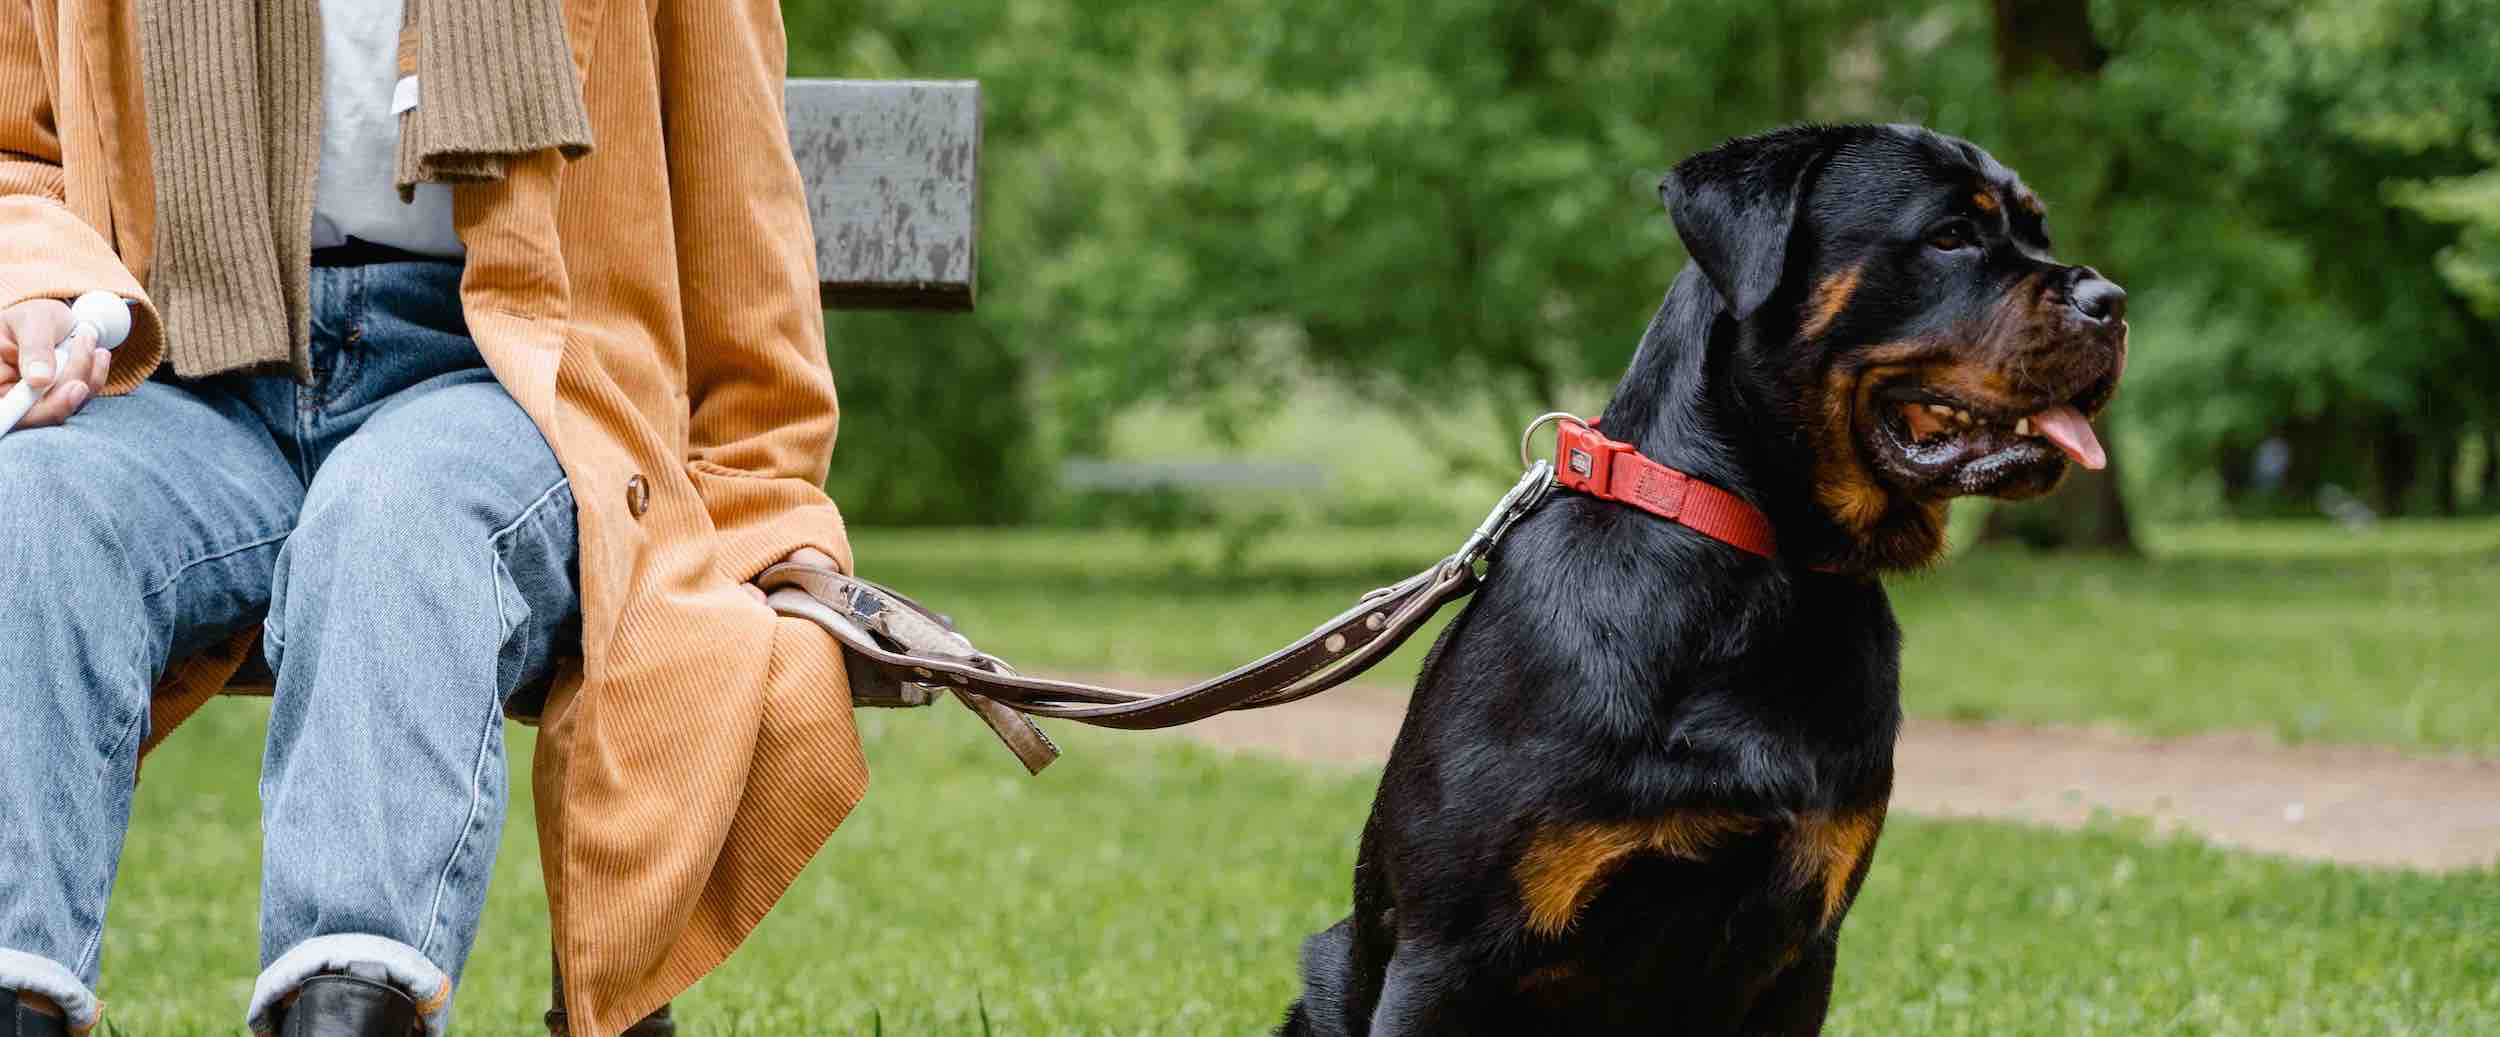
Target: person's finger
{"x": 70, "y": 386}
{"x": 69, "y": 373}
{"x": 757, "y": 593}
{"x": 34, "y": 361}
{"x": 812, "y": 556}
{"x": 57, "y": 405}
{"x": 101, "y": 372}
{"x": 34, "y": 327}
{"x": 74, "y": 360}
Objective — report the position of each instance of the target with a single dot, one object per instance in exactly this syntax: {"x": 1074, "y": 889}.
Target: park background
{"x": 1268, "y": 288}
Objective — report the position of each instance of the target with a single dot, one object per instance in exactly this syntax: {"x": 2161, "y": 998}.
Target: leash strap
{"x": 1613, "y": 470}
{"x": 902, "y": 653}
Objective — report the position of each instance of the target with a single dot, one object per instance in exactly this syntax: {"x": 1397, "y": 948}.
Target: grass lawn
{"x": 1148, "y": 886}
{"x": 2301, "y": 629}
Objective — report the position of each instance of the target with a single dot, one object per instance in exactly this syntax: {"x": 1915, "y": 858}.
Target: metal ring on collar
{"x": 1542, "y": 420}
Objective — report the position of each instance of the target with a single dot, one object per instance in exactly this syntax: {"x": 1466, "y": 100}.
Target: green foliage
{"x": 2301, "y": 193}
{"x": 938, "y": 425}
{"x": 1437, "y": 205}
{"x": 1449, "y": 205}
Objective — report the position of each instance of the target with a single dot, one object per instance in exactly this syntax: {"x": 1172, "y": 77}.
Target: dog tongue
{"x": 2066, "y": 427}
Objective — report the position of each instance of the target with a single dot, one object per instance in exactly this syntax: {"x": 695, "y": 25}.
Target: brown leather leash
{"x": 903, "y": 653}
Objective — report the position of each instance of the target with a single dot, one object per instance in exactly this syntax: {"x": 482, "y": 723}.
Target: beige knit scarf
{"x": 234, "y": 131}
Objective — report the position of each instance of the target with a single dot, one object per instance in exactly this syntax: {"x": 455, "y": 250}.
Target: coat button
{"x": 637, "y": 495}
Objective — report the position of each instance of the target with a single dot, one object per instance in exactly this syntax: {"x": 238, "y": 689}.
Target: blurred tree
{"x": 1439, "y": 203}
{"x": 2309, "y": 228}
{"x": 1449, "y": 205}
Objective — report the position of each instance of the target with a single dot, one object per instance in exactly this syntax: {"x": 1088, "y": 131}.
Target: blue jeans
{"x": 408, "y": 536}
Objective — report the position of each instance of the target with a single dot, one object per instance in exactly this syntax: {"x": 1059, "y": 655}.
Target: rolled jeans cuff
{"x": 43, "y": 977}
{"x": 377, "y": 958}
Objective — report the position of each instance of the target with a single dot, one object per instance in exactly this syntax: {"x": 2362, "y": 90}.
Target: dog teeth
{"x": 2022, "y": 427}
{"x": 1939, "y": 410}
{"x": 1962, "y": 416}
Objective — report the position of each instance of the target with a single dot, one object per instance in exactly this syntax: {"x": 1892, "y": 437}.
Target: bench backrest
{"x": 893, "y": 188}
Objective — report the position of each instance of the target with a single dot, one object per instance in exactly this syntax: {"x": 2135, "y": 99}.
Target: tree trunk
{"x": 2054, "y": 38}
{"x": 2396, "y": 455}
{"x": 2046, "y": 36}
{"x": 2488, "y": 486}
{"x": 2312, "y": 441}
{"x": 2238, "y": 468}
{"x": 2085, "y": 513}
{"x": 2447, "y": 461}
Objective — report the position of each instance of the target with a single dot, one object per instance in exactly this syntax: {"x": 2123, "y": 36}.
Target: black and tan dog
{"x": 1643, "y": 774}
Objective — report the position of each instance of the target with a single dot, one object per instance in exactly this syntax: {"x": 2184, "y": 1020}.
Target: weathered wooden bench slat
{"x": 893, "y": 188}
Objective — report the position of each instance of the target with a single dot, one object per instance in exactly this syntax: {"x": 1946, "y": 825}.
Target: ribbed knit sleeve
{"x": 47, "y": 251}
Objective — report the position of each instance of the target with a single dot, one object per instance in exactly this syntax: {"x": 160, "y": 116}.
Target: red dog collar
{"x": 1587, "y": 461}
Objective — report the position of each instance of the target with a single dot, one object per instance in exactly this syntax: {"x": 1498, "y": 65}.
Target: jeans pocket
{"x": 536, "y": 590}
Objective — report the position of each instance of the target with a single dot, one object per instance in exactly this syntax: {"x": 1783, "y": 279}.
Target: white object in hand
{"x": 101, "y": 314}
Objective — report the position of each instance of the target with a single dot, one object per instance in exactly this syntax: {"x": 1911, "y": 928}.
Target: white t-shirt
{"x": 354, "y": 195}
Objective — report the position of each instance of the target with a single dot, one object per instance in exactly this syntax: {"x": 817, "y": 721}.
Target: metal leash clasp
{"x": 1523, "y": 497}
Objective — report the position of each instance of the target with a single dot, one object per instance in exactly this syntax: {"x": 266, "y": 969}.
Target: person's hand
{"x": 803, "y": 556}
{"x": 28, "y": 333}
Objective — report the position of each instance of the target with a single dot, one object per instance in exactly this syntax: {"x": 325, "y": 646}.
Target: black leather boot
{"x": 334, "y": 1005}
{"x": 17, "y": 1019}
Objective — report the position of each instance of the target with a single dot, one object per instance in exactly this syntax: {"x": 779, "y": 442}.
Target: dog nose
{"x": 2097, "y": 298}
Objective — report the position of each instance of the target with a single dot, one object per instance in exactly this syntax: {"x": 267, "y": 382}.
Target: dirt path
{"x": 2358, "y": 805}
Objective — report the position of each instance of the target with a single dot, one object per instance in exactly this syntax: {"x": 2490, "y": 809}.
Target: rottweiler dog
{"x": 1642, "y": 775}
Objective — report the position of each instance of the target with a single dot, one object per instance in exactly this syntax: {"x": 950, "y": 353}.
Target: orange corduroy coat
{"x": 652, "y": 306}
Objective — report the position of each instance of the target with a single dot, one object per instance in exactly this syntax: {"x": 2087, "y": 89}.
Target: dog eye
{"x": 1953, "y": 237}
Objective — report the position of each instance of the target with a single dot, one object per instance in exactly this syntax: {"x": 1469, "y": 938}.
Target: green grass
{"x": 2300, "y": 629}
{"x": 1148, "y": 886}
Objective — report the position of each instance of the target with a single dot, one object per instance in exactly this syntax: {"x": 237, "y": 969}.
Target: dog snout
{"x": 2097, "y": 299}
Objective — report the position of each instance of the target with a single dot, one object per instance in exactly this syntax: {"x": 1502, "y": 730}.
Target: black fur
{"x": 1617, "y": 669}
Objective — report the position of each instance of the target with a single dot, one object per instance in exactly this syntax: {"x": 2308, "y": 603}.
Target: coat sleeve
{"x": 760, "y": 391}
{"x": 46, "y": 251}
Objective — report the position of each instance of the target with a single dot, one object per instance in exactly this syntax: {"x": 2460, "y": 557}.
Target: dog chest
{"x": 1815, "y": 857}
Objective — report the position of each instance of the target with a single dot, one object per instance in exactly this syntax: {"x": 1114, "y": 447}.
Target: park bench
{"x": 892, "y": 172}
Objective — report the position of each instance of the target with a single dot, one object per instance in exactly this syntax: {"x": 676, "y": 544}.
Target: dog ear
{"x": 1735, "y": 205}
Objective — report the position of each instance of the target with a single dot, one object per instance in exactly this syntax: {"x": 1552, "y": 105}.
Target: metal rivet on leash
{"x": 1375, "y": 621}
{"x": 1335, "y": 643}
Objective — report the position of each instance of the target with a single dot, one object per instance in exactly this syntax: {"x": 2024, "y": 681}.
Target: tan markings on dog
{"x": 1985, "y": 200}
{"x": 1885, "y": 530}
{"x": 1824, "y": 850}
{"x": 1830, "y": 297}
{"x": 1967, "y": 381}
{"x": 1566, "y": 865}
{"x": 1843, "y": 485}
{"x": 2031, "y": 203}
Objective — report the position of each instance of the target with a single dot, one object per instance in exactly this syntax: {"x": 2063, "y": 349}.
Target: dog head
{"x": 1902, "y": 322}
